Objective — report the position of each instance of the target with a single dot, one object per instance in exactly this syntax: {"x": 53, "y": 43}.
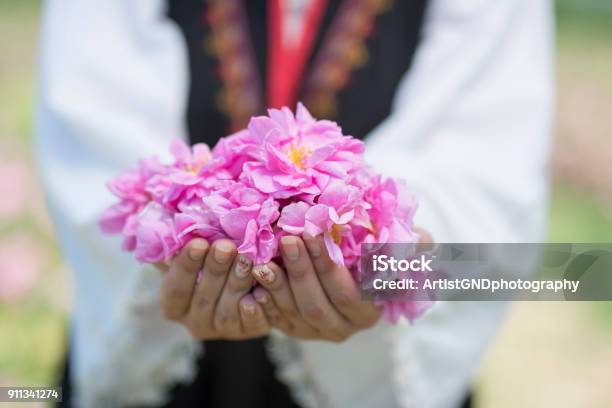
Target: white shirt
{"x": 469, "y": 131}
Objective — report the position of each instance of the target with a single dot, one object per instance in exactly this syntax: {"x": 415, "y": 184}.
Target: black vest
{"x": 363, "y": 49}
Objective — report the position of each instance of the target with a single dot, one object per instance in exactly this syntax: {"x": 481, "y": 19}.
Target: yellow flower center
{"x": 194, "y": 170}
{"x": 195, "y": 167}
{"x": 296, "y": 156}
{"x": 373, "y": 229}
{"x": 336, "y": 234}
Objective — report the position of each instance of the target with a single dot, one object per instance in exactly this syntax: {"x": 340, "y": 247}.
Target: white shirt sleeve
{"x": 471, "y": 126}
{"x": 112, "y": 89}
{"x": 470, "y": 133}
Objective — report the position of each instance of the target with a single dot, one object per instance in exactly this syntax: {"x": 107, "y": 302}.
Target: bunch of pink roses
{"x": 282, "y": 175}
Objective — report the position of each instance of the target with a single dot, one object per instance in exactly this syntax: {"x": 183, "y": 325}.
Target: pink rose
{"x": 156, "y": 238}
{"x": 284, "y": 174}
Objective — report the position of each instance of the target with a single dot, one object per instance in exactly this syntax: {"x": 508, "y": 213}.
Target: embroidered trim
{"x": 406, "y": 374}
{"x": 291, "y": 369}
{"x": 240, "y": 96}
{"x": 343, "y": 51}
{"x": 147, "y": 369}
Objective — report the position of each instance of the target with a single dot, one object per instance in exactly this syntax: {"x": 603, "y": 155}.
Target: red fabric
{"x": 286, "y": 63}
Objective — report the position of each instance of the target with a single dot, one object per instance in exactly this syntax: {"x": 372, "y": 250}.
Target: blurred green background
{"x": 547, "y": 355}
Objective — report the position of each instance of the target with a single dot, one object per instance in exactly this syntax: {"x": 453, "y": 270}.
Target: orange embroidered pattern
{"x": 240, "y": 96}
{"x": 343, "y": 51}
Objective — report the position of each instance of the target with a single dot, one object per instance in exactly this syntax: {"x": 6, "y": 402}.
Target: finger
{"x": 293, "y": 327}
{"x": 272, "y": 277}
{"x": 240, "y": 278}
{"x": 239, "y": 282}
{"x": 209, "y": 288}
{"x": 340, "y": 286}
{"x": 178, "y": 284}
{"x": 253, "y": 319}
{"x": 310, "y": 298}
{"x": 162, "y": 266}
{"x": 273, "y": 315}
{"x": 425, "y": 240}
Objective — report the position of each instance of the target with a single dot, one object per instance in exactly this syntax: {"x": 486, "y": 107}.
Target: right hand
{"x": 219, "y": 305}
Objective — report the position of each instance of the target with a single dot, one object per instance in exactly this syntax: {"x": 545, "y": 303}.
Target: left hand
{"x": 314, "y": 298}
{"x": 218, "y": 305}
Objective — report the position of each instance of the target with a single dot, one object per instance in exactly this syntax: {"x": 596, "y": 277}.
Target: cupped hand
{"x": 215, "y": 303}
{"x": 314, "y": 298}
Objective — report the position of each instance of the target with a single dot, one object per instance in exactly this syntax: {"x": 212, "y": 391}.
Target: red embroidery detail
{"x": 287, "y": 62}
{"x": 343, "y": 50}
{"x": 240, "y": 96}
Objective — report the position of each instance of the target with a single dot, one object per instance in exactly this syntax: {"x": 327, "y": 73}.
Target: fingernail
{"x": 263, "y": 299}
{"x": 196, "y": 252}
{"x": 264, "y": 273}
{"x": 290, "y": 248}
{"x": 313, "y": 246}
{"x": 248, "y": 309}
{"x": 243, "y": 265}
{"x": 223, "y": 252}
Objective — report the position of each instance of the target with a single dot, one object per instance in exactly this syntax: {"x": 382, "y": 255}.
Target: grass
{"x": 33, "y": 339}
{"x": 32, "y": 331}
{"x": 577, "y": 217}
{"x": 18, "y": 30}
